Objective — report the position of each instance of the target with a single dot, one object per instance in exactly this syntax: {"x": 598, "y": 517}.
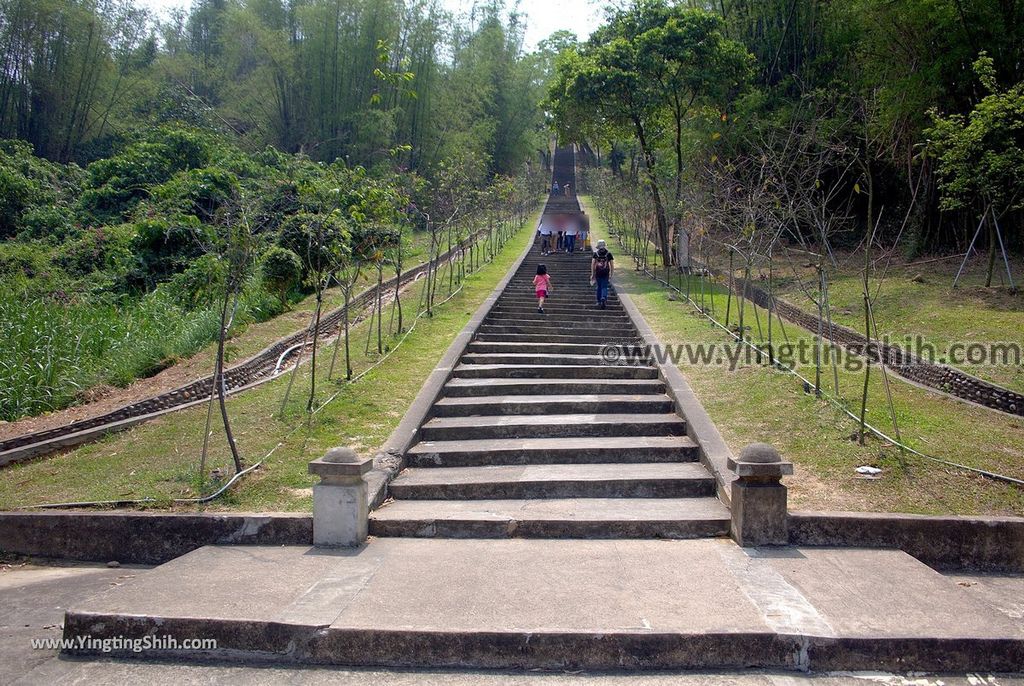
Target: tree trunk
{"x": 991, "y": 254}
{"x": 316, "y": 332}
{"x": 652, "y": 181}
{"x": 348, "y": 353}
{"x": 219, "y": 381}
{"x": 380, "y": 301}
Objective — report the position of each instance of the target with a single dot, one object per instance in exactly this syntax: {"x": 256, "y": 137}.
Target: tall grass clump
{"x": 52, "y": 349}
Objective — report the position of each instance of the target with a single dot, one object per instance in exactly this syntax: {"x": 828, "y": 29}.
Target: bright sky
{"x": 543, "y": 17}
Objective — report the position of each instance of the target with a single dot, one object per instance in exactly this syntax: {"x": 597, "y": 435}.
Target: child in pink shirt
{"x": 542, "y": 284}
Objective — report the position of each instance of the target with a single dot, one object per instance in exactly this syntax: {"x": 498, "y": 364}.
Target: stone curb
{"x": 975, "y": 543}
{"x": 274, "y": 641}
{"x": 390, "y": 458}
{"x": 143, "y": 538}
{"x": 714, "y": 453}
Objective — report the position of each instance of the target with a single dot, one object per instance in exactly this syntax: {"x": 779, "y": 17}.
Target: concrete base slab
{"x": 577, "y": 604}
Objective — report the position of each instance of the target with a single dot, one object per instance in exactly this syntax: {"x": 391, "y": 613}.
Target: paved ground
{"x": 35, "y": 597}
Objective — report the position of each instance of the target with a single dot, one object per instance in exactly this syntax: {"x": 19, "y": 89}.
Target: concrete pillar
{"x": 340, "y": 510}
{"x": 759, "y": 513}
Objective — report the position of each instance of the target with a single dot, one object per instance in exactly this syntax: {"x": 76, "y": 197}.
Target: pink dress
{"x": 540, "y": 283}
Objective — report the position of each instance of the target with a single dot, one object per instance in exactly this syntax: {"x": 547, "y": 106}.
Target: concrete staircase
{"x": 535, "y": 435}
{"x": 534, "y": 438}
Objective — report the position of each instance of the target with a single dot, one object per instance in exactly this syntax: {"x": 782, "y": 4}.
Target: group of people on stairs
{"x": 563, "y": 233}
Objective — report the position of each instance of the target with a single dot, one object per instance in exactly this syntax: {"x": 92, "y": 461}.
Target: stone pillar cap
{"x": 760, "y": 460}
{"x": 341, "y": 455}
{"x": 760, "y": 452}
{"x": 340, "y": 462}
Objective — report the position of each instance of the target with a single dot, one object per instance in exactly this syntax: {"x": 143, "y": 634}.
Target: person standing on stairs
{"x": 542, "y": 286}
{"x": 545, "y": 236}
{"x": 583, "y": 231}
{"x": 601, "y": 266}
{"x": 570, "y": 236}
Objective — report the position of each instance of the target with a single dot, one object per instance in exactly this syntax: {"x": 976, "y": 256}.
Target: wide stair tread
{"x": 553, "y": 518}
{"x": 476, "y": 387}
{"x": 568, "y": 403}
{"x": 533, "y": 371}
{"x": 566, "y": 358}
{"x": 553, "y": 426}
{"x": 557, "y": 450}
{"x": 599, "y": 480}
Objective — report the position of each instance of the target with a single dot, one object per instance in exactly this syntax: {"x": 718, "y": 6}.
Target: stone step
{"x": 552, "y": 426}
{"x": 573, "y": 290}
{"x": 580, "y": 266}
{"x": 568, "y": 281}
{"x": 569, "y": 326}
{"x": 535, "y": 347}
{"x": 526, "y": 295}
{"x": 554, "y": 329}
{"x": 583, "y": 309}
{"x": 552, "y": 404}
{"x": 582, "y": 294}
{"x": 536, "y": 371}
{"x": 674, "y": 518}
{"x": 543, "y": 451}
{"x": 602, "y": 319}
{"x": 465, "y": 388}
{"x": 651, "y": 480}
{"x": 534, "y": 358}
{"x": 590, "y": 315}
{"x": 558, "y": 306}
{"x": 599, "y": 340}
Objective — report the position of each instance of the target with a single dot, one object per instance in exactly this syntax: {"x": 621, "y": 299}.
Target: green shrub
{"x": 282, "y": 270}
{"x": 164, "y": 247}
{"x": 34, "y": 192}
{"x": 116, "y": 184}
{"x": 201, "y": 284}
{"x": 195, "y": 192}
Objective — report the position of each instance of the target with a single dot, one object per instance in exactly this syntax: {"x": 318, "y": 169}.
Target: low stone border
{"x": 976, "y": 543}
{"x": 390, "y": 459}
{"x": 143, "y": 538}
{"x": 714, "y": 453}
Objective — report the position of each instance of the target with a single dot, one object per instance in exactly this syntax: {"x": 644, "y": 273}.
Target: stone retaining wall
{"x": 979, "y": 543}
{"x": 143, "y": 538}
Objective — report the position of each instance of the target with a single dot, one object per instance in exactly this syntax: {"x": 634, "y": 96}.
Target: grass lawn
{"x": 159, "y": 459}
{"x": 755, "y": 403}
{"x": 918, "y": 300}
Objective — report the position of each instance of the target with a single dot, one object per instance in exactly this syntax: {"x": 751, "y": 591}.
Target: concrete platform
{"x": 561, "y": 605}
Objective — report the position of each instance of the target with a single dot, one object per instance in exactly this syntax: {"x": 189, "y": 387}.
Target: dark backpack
{"x": 601, "y": 266}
